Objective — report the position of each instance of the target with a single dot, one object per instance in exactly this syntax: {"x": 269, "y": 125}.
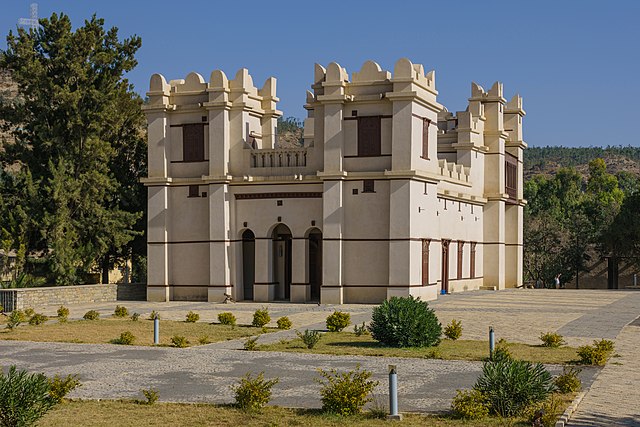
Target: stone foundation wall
{"x": 18, "y": 299}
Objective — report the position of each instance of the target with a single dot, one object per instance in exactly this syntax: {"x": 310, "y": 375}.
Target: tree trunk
{"x": 105, "y": 270}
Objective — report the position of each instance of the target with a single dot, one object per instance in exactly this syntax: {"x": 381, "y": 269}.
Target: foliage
{"x": 360, "y": 329}
{"x": 126, "y": 338}
{"x": 551, "y": 339}
{"x": 405, "y": 322}
{"x": 204, "y": 339}
{"x": 284, "y": 323}
{"x": 29, "y": 312}
{"x": 337, "y": 321}
{"x": 251, "y": 344}
{"x": 38, "y": 319}
{"x": 151, "y": 395}
{"x": 192, "y": 317}
{"x": 453, "y": 331}
{"x": 24, "y": 397}
{"x": 345, "y": 393}
{"x": 227, "y": 318}
{"x": 546, "y": 413}
{"x": 309, "y": 338}
{"x": 179, "y": 341}
{"x": 121, "y": 311}
{"x": 59, "y": 386}
{"x": 63, "y": 314}
{"x": 568, "y": 381}
{"x": 252, "y": 393}
{"x": 153, "y": 315}
{"x": 289, "y": 124}
{"x": 510, "y": 386}
{"x": 261, "y": 318}
{"x": 91, "y": 315}
{"x": 15, "y": 319}
{"x": 470, "y": 405}
{"x": 596, "y": 354}
{"x": 72, "y": 193}
{"x": 135, "y": 317}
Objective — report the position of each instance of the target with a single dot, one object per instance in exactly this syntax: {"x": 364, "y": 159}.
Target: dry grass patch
{"x": 102, "y": 331}
{"x": 347, "y": 343}
{"x": 128, "y": 413}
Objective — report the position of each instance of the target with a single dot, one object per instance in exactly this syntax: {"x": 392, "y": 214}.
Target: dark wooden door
{"x": 445, "y": 265}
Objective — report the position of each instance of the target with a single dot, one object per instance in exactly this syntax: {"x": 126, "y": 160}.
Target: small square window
{"x": 204, "y": 194}
{"x": 354, "y": 113}
{"x": 368, "y": 186}
{"x": 204, "y": 118}
{"x": 354, "y": 191}
{"x": 279, "y": 203}
{"x": 194, "y": 191}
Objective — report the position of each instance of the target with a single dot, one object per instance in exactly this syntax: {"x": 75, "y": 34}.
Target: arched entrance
{"x": 281, "y": 237}
{"x": 315, "y": 264}
{"x": 445, "y": 265}
{"x": 248, "y": 263}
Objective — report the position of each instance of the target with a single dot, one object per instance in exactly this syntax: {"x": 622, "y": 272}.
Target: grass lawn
{"x": 102, "y": 331}
{"x": 347, "y": 343}
{"x": 129, "y": 413}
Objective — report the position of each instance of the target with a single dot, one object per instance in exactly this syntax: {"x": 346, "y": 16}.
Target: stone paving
{"x": 205, "y": 373}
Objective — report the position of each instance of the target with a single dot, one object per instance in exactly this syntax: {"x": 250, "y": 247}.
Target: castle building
{"x": 389, "y": 195}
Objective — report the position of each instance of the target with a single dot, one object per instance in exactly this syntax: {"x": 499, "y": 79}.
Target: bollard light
{"x": 156, "y": 330}
{"x": 393, "y": 394}
{"x": 492, "y": 342}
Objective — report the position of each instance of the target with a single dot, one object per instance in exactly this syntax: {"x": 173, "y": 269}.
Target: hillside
{"x": 8, "y": 90}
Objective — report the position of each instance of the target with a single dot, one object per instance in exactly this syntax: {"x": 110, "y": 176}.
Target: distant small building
{"x": 389, "y": 195}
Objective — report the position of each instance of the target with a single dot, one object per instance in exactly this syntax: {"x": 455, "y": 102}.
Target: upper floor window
{"x": 425, "y": 138}
{"x": 511, "y": 175}
{"x": 369, "y": 136}
{"x": 368, "y": 186}
{"x": 193, "y": 142}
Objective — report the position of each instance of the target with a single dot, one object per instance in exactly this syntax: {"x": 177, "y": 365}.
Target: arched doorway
{"x": 315, "y": 264}
{"x": 248, "y": 263}
{"x": 281, "y": 237}
{"x": 445, "y": 265}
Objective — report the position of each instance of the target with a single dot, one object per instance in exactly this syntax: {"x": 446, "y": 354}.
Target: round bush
{"x": 227, "y": 318}
{"x": 284, "y": 323}
{"x": 337, "y": 321}
{"x": 121, "y": 311}
{"x": 91, "y": 315}
{"x": 261, "y": 317}
{"x": 470, "y": 405}
{"x": 405, "y": 322}
{"x": 192, "y": 317}
{"x": 38, "y": 319}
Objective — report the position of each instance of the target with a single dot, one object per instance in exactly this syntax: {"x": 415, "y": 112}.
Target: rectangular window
{"x": 460, "y": 252}
{"x": 194, "y": 191}
{"x": 511, "y": 175}
{"x": 425, "y": 261}
{"x": 425, "y": 138}
{"x": 368, "y": 186}
{"x": 473, "y": 260}
{"x": 193, "y": 142}
{"x": 369, "y": 136}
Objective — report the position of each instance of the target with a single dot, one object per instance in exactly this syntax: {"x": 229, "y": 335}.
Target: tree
{"x": 78, "y": 139}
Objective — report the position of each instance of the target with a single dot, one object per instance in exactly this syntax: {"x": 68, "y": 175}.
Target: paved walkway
{"x": 205, "y": 373}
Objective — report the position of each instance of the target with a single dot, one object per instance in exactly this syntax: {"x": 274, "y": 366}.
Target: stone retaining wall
{"x": 12, "y": 299}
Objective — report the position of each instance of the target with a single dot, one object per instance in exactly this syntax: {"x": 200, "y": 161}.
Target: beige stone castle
{"x": 389, "y": 195}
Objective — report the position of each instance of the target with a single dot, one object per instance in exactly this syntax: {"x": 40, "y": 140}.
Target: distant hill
{"x": 547, "y": 160}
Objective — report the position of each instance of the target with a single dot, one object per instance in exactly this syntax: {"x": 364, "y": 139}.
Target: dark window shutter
{"x": 473, "y": 260}
{"x": 194, "y": 191}
{"x": 425, "y": 138}
{"x": 425, "y": 262}
{"x": 460, "y": 252}
{"x": 193, "y": 142}
{"x": 369, "y": 137}
{"x": 368, "y": 186}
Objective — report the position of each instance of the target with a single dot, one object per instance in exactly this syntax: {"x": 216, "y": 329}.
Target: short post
{"x": 635, "y": 280}
{"x": 156, "y": 330}
{"x": 393, "y": 394}
{"x": 492, "y": 342}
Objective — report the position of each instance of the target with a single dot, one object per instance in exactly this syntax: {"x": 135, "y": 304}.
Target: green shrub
{"x": 15, "y": 319}
{"x": 121, "y": 311}
{"x": 545, "y": 413}
{"x": 470, "y": 405}
{"x": 596, "y": 354}
{"x": 251, "y": 394}
{"x": 59, "y": 387}
{"x": 284, "y": 323}
{"x": 568, "y": 381}
{"x": 309, "y": 338}
{"x": 251, "y": 344}
{"x": 24, "y": 397}
{"x": 502, "y": 353}
{"x": 337, "y": 321}
{"x": 91, "y": 315}
{"x": 38, "y": 319}
{"x": 204, "y": 340}
{"x": 261, "y": 318}
{"x": 135, "y": 317}
{"x": 453, "y": 330}
{"x": 405, "y": 322}
{"x": 510, "y": 386}
{"x": 153, "y": 315}
{"x": 192, "y": 317}
{"x": 552, "y": 340}
{"x": 126, "y": 338}
{"x": 63, "y": 314}
{"x": 151, "y": 395}
{"x": 347, "y": 392}
{"x": 360, "y": 329}
{"x": 1, "y": 308}
{"x": 179, "y": 341}
{"x": 29, "y": 312}
{"x": 227, "y": 318}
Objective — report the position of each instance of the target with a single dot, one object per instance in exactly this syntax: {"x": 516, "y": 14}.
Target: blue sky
{"x": 576, "y": 63}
